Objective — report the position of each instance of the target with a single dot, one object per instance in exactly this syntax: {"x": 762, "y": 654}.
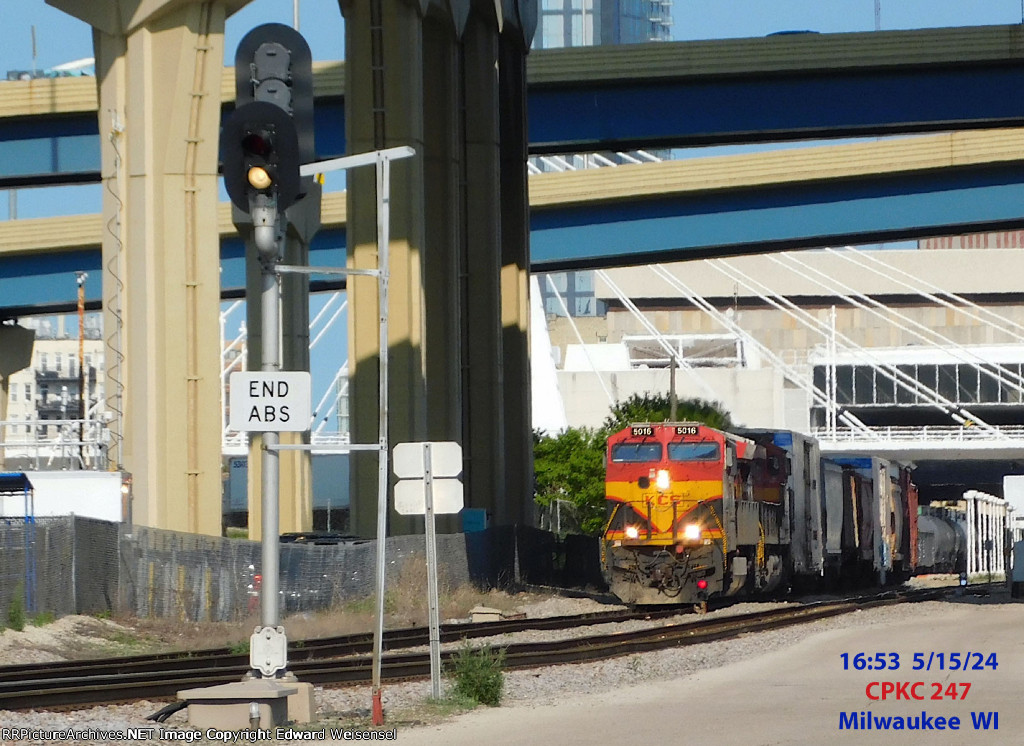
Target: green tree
{"x": 570, "y": 466}
{"x": 656, "y": 408}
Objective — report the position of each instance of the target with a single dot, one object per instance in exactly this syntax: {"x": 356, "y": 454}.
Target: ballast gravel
{"x": 533, "y": 686}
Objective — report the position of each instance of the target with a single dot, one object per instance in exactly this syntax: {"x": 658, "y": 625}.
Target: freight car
{"x": 696, "y": 513}
{"x": 941, "y": 540}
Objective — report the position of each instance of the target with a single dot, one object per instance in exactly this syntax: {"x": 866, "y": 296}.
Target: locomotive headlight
{"x": 691, "y": 532}
{"x": 663, "y": 480}
{"x": 632, "y": 532}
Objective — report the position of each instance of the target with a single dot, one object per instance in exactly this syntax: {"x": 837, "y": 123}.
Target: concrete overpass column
{"x": 443, "y": 276}
{"x": 158, "y": 67}
{"x": 427, "y": 74}
{"x": 515, "y": 277}
{"x": 384, "y": 107}
{"x": 483, "y": 383}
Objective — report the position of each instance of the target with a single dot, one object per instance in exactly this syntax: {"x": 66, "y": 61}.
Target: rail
{"x": 342, "y": 661}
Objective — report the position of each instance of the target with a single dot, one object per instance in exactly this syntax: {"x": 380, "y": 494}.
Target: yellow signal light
{"x": 259, "y": 178}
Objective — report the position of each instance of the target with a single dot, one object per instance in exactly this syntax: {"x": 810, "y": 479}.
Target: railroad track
{"x": 344, "y": 660}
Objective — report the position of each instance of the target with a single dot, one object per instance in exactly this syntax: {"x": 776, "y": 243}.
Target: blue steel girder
{"x": 892, "y": 207}
{"x": 44, "y": 282}
{"x": 65, "y": 149}
{"x": 904, "y": 205}
{"x": 677, "y": 94}
{"x": 638, "y": 114}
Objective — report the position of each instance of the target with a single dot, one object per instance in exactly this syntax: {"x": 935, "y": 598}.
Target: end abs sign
{"x": 269, "y": 402}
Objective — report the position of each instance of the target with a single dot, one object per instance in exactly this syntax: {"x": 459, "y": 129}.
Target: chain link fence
{"x": 77, "y": 565}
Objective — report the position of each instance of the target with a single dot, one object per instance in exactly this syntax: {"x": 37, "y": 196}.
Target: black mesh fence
{"x": 95, "y": 563}
{"x": 78, "y": 565}
{"x": 37, "y": 565}
{"x": 201, "y": 578}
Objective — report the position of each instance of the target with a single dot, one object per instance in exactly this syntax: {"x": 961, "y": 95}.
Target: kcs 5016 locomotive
{"x": 695, "y": 513}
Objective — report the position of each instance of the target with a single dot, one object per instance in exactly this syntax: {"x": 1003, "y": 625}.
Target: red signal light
{"x": 702, "y": 584}
{"x": 257, "y": 143}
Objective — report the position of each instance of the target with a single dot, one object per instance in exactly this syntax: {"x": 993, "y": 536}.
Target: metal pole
{"x": 434, "y": 616}
{"x": 383, "y": 221}
{"x": 673, "y": 401}
{"x": 82, "y": 394}
{"x": 270, "y": 300}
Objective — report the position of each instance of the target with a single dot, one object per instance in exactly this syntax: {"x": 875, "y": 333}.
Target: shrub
{"x": 42, "y": 619}
{"x": 477, "y": 674}
{"x": 16, "y": 609}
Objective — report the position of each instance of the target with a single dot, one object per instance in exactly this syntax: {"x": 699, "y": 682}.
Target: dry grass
{"x": 405, "y": 605}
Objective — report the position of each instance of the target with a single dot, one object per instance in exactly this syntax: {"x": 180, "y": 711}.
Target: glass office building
{"x": 577, "y": 23}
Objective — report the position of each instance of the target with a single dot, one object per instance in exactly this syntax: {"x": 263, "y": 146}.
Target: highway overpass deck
{"x": 669, "y": 94}
{"x": 827, "y": 195}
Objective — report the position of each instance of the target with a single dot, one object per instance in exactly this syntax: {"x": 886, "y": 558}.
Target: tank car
{"x": 942, "y": 540}
{"x": 693, "y": 513}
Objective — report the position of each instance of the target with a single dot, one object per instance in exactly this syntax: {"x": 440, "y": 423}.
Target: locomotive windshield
{"x": 704, "y": 451}
{"x": 636, "y": 452}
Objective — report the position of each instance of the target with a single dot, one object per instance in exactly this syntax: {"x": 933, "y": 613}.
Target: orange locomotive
{"x": 693, "y": 512}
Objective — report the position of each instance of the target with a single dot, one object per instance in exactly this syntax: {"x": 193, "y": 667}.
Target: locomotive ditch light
{"x": 691, "y": 532}
{"x": 663, "y": 480}
{"x": 632, "y": 532}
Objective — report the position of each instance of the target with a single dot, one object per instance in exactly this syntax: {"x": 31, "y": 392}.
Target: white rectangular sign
{"x": 411, "y": 496}
{"x": 445, "y": 459}
{"x": 270, "y": 402}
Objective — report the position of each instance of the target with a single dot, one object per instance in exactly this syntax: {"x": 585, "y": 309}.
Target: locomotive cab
{"x": 693, "y": 512}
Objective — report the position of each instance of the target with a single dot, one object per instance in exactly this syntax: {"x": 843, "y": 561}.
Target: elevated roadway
{"x": 853, "y": 193}
{"x": 672, "y": 94}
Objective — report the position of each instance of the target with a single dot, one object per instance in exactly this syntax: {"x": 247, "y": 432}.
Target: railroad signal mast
{"x": 263, "y": 142}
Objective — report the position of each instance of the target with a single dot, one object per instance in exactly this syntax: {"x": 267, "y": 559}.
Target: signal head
{"x": 260, "y": 153}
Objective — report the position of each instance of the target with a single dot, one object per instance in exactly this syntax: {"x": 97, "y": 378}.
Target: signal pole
{"x": 260, "y": 151}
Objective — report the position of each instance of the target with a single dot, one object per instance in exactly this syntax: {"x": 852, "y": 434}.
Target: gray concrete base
{"x": 301, "y": 705}
{"x": 227, "y": 706}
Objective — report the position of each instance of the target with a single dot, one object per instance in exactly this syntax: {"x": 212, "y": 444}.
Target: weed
{"x": 16, "y": 609}
{"x": 477, "y": 674}
{"x": 239, "y": 647}
{"x": 125, "y": 638}
{"x": 42, "y": 619}
{"x": 365, "y": 605}
{"x": 104, "y": 614}
{"x": 635, "y": 664}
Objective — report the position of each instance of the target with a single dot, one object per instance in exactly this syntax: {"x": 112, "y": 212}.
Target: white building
{"x": 45, "y": 400}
